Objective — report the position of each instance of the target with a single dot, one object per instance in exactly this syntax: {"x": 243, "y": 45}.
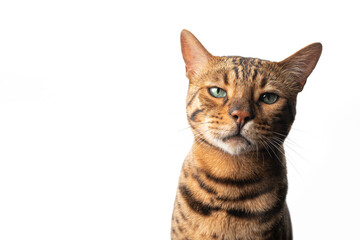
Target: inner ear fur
{"x": 299, "y": 66}
{"x": 195, "y": 55}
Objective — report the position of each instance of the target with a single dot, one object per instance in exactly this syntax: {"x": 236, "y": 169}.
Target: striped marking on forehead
{"x": 224, "y": 77}
{"x": 246, "y": 69}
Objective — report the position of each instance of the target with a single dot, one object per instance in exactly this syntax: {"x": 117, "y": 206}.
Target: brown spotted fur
{"x": 232, "y": 189}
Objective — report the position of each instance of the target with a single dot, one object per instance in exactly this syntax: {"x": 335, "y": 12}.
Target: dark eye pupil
{"x": 218, "y": 90}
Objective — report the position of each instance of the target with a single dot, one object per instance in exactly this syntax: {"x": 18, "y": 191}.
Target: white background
{"x": 92, "y": 112}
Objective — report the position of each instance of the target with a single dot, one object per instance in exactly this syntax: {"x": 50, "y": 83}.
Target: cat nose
{"x": 241, "y": 117}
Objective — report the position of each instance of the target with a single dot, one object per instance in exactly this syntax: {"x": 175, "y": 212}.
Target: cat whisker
{"x": 285, "y": 137}
{"x": 283, "y": 140}
{"x": 194, "y": 124}
{"x": 270, "y": 144}
{"x": 200, "y": 142}
{"x": 280, "y": 144}
{"x": 286, "y": 143}
{"x": 265, "y": 145}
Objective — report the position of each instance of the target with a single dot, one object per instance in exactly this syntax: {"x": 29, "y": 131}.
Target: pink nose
{"x": 241, "y": 117}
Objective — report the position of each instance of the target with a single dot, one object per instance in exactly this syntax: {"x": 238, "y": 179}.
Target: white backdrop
{"x": 92, "y": 112}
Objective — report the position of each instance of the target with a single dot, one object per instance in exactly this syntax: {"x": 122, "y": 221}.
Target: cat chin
{"x": 234, "y": 146}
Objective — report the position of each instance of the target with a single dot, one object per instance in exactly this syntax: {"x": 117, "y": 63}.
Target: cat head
{"x": 242, "y": 104}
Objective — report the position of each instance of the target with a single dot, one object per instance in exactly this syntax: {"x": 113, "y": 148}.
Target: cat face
{"x": 243, "y": 104}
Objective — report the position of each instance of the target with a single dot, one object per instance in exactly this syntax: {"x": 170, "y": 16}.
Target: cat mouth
{"x": 237, "y": 137}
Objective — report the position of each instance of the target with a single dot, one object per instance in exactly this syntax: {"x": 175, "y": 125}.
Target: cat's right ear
{"x": 196, "y": 57}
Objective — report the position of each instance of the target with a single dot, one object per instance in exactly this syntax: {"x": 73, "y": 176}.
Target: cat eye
{"x": 217, "y": 92}
{"x": 269, "y": 98}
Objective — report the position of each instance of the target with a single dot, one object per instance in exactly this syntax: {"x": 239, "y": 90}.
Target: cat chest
{"x": 236, "y": 210}
{"x": 221, "y": 225}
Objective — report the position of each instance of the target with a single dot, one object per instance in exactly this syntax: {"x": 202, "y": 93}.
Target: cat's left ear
{"x": 299, "y": 66}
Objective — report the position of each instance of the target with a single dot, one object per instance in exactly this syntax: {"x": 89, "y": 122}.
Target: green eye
{"x": 269, "y": 98}
{"x": 217, "y": 92}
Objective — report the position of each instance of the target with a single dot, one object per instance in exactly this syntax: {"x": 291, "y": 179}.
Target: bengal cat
{"x": 233, "y": 182}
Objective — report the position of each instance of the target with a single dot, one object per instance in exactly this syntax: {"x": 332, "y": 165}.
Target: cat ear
{"x": 195, "y": 55}
{"x": 300, "y": 65}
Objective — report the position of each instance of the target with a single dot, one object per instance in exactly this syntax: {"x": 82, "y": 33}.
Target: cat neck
{"x": 216, "y": 162}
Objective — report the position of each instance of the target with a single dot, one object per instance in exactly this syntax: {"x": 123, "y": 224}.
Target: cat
{"x": 233, "y": 182}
